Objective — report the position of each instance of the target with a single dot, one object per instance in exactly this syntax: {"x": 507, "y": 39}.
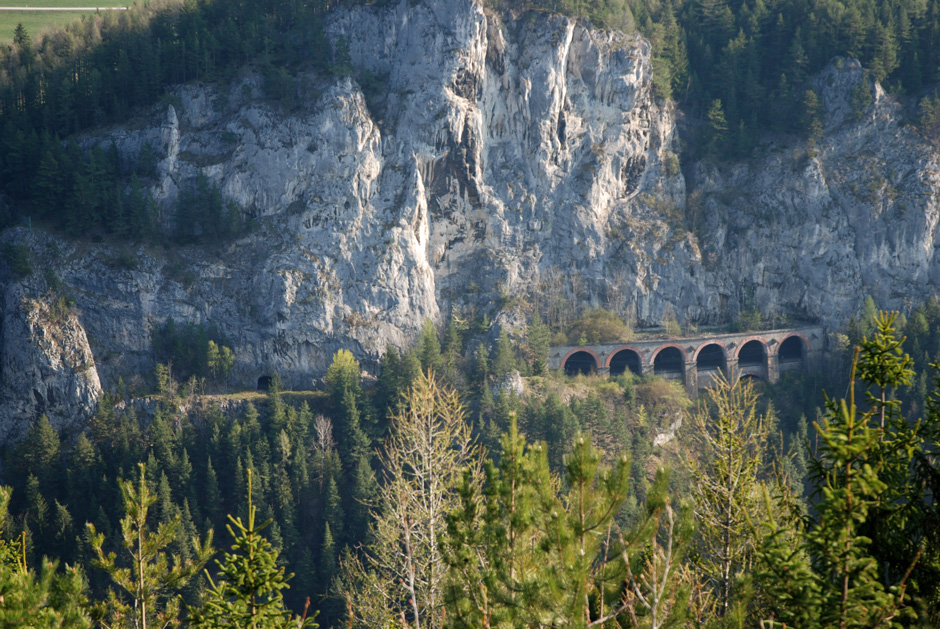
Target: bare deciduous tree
{"x": 398, "y": 578}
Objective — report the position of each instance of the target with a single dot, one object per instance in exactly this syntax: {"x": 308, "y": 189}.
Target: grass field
{"x": 36, "y": 21}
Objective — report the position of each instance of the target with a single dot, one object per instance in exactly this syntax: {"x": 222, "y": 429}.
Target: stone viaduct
{"x": 696, "y": 360}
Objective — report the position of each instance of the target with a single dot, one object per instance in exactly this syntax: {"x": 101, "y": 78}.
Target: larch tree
{"x": 730, "y": 441}
{"x": 397, "y": 579}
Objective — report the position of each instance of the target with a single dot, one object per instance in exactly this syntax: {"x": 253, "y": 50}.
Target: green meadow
{"x": 36, "y": 21}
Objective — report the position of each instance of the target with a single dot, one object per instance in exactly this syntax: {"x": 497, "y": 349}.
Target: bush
{"x": 598, "y": 326}
{"x": 17, "y": 258}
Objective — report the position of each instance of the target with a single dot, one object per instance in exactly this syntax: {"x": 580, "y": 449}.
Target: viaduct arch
{"x": 696, "y": 361}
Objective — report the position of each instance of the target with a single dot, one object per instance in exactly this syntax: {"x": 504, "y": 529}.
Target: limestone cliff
{"x": 489, "y": 154}
{"x": 46, "y": 364}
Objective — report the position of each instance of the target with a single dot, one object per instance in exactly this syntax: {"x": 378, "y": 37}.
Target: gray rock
{"x": 46, "y": 364}
{"x": 493, "y": 156}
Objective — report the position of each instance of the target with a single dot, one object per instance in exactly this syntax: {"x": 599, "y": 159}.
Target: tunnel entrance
{"x": 580, "y": 362}
{"x": 669, "y": 363}
{"x": 623, "y": 360}
{"x": 792, "y": 350}
{"x": 711, "y": 358}
{"x": 264, "y": 383}
{"x": 753, "y": 354}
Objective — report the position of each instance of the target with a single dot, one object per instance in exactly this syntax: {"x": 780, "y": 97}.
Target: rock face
{"x": 812, "y": 231}
{"x": 488, "y": 155}
{"x": 46, "y": 364}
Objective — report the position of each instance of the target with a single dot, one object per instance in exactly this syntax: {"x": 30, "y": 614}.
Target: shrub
{"x": 598, "y": 326}
{"x": 17, "y": 257}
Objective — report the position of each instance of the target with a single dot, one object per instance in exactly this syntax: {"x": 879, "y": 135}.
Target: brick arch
{"x": 747, "y": 340}
{"x": 806, "y": 344}
{"x": 597, "y": 359}
{"x": 632, "y": 348}
{"x": 706, "y": 343}
{"x": 685, "y": 356}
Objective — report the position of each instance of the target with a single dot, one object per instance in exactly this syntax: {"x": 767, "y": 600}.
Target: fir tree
{"x": 153, "y": 577}
{"x": 429, "y": 349}
{"x": 248, "y": 589}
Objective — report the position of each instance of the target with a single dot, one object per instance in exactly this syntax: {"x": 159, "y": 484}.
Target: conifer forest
{"x": 461, "y": 475}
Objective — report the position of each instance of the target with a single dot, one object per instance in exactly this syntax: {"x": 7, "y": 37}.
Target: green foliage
{"x": 928, "y": 118}
{"x": 855, "y": 560}
{"x": 247, "y": 590}
{"x": 98, "y": 71}
{"x": 150, "y": 578}
{"x": 343, "y": 375}
{"x": 398, "y": 577}
{"x": 538, "y": 338}
{"x": 731, "y": 448}
{"x": 598, "y": 326}
{"x": 192, "y": 350}
{"x": 429, "y": 349}
{"x": 883, "y": 364}
{"x": 47, "y": 600}
{"x": 17, "y": 258}
{"x": 202, "y": 216}
{"x": 505, "y": 359}
{"x": 716, "y": 132}
{"x": 220, "y": 360}
{"x": 812, "y": 122}
{"x": 861, "y": 98}
{"x": 524, "y": 552}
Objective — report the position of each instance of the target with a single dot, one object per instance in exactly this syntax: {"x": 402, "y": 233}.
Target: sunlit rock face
{"x": 478, "y": 160}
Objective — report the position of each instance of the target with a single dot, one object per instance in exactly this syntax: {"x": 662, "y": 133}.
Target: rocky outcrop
{"x": 494, "y": 150}
{"x": 811, "y": 230}
{"x": 493, "y": 158}
{"x": 46, "y": 363}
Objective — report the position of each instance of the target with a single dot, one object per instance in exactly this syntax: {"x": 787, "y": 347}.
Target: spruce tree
{"x": 49, "y": 599}
{"x": 825, "y": 572}
{"x": 429, "y": 349}
{"x": 247, "y": 592}
{"x": 151, "y": 581}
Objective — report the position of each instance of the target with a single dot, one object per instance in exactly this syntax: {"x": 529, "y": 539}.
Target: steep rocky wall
{"x": 492, "y": 153}
{"x": 46, "y": 364}
{"x": 812, "y": 230}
